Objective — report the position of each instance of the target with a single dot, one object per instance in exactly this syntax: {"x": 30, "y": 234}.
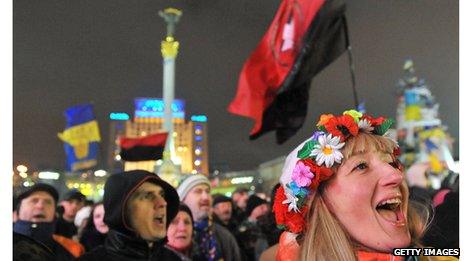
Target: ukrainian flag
{"x": 80, "y": 137}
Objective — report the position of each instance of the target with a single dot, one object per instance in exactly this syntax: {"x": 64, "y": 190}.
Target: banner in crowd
{"x": 80, "y": 137}
{"x": 149, "y": 147}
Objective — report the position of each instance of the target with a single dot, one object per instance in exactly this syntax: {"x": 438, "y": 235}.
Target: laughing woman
{"x": 343, "y": 194}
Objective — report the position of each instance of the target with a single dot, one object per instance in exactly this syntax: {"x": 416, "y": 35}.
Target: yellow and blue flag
{"x": 80, "y": 137}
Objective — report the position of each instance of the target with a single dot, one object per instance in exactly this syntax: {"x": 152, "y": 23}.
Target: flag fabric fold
{"x": 304, "y": 37}
{"x": 149, "y": 147}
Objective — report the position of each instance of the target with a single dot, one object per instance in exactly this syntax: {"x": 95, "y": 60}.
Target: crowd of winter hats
{"x": 311, "y": 163}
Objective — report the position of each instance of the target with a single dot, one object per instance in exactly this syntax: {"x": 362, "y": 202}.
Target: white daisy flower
{"x": 365, "y": 125}
{"x": 328, "y": 150}
{"x": 291, "y": 201}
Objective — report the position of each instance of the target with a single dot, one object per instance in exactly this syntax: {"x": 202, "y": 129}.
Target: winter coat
{"x": 182, "y": 256}
{"x": 91, "y": 239}
{"x": 251, "y": 240}
{"x": 65, "y": 228}
{"x": 63, "y": 248}
{"x": 28, "y": 249}
{"x": 227, "y": 243}
{"x": 231, "y": 226}
{"x": 120, "y": 247}
{"x": 122, "y": 242}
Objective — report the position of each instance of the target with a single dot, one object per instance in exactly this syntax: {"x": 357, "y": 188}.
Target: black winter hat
{"x": 221, "y": 198}
{"x": 118, "y": 189}
{"x": 241, "y": 190}
{"x": 37, "y": 187}
{"x": 185, "y": 208}
{"x": 253, "y": 202}
{"x": 74, "y": 194}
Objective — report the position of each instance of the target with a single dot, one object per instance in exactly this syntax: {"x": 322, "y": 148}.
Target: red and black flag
{"x": 304, "y": 37}
{"x": 149, "y": 147}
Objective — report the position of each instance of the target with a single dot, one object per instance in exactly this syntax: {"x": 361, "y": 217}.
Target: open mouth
{"x": 159, "y": 220}
{"x": 181, "y": 237}
{"x": 39, "y": 216}
{"x": 391, "y": 211}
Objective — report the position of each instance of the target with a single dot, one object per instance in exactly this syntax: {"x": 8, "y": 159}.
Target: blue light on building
{"x": 119, "y": 116}
{"x": 154, "y": 108}
{"x": 199, "y": 118}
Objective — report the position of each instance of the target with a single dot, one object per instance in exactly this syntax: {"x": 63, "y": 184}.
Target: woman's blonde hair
{"x": 325, "y": 238}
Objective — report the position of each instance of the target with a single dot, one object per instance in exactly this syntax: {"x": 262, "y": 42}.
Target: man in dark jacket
{"x": 239, "y": 198}
{"x": 72, "y": 202}
{"x": 36, "y": 219}
{"x": 250, "y": 235}
{"x": 138, "y": 209}
{"x": 222, "y": 212}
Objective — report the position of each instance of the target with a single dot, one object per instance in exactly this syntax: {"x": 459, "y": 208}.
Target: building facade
{"x": 190, "y": 139}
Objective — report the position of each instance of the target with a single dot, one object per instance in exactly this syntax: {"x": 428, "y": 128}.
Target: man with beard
{"x": 212, "y": 241}
{"x": 36, "y": 219}
{"x": 138, "y": 209}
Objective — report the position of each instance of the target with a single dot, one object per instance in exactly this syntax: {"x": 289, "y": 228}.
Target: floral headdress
{"x": 312, "y": 161}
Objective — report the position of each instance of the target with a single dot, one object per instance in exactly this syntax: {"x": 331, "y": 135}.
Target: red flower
{"x": 320, "y": 173}
{"x": 279, "y": 208}
{"x": 374, "y": 121}
{"x": 295, "y": 221}
{"x": 342, "y": 126}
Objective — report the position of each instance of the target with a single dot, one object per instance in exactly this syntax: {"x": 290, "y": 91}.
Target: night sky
{"x": 107, "y": 53}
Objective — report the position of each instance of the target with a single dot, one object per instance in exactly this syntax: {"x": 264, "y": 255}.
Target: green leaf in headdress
{"x": 383, "y": 128}
{"x": 282, "y": 227}
{"x": 322, "y": 128}
{"x": 301, "y": 201}
{"x": 304, "y": 152}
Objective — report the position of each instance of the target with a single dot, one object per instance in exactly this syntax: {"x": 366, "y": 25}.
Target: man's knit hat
{"x": 190, "y": 182}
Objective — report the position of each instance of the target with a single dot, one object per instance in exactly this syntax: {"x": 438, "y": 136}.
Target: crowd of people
{"x": 342, "y": 196}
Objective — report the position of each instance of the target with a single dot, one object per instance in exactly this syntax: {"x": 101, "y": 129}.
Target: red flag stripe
{"x": 158, "y": 139}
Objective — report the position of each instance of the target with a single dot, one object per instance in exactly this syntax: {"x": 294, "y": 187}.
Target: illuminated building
{"x": 190, "y": 138}
{"x": 261, "y": 179}
{"x": 116, "y": 129}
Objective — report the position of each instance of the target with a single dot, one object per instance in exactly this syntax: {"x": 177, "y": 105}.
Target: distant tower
{"x": 169, "y": 48}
